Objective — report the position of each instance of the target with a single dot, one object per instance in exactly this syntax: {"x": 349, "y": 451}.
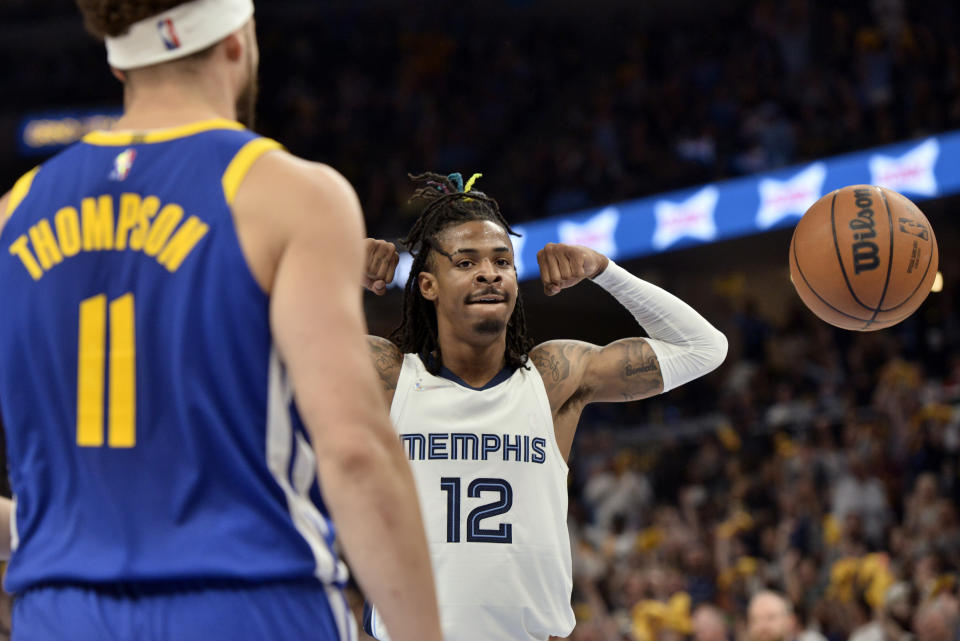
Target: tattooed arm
{"x": 387, "y": 360}
{"x": 682, "y": 345}
{"x": 378, "y": 271}
{"x": 576, "y": 373}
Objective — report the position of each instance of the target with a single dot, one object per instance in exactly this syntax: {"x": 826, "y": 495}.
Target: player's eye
{"x": 464, "y": 263}
{"x": 503, "y": 262}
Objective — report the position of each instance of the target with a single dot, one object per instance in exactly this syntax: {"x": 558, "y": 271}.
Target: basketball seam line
{"x": 843, "y": 270}
{"x": 810, "y": 287}
{"x": 886, "y": 283}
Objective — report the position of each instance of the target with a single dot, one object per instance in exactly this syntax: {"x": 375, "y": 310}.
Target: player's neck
{"x": 170, "y": 104}
{"x": 474, "y": 362}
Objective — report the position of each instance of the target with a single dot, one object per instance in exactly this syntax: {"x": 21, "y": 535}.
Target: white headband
{"x": 177, "y": 32}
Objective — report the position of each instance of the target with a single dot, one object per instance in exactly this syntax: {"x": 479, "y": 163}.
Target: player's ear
{"x": 119, "y": 74}
{"x": 234, "y": 45}
{"x": 428, "y": 285}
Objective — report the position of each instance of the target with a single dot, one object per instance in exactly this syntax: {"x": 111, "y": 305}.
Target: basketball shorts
{"x": 282, "y": 611}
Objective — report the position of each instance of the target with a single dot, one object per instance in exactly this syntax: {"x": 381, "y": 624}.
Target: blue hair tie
{"x": 456, "y": 179}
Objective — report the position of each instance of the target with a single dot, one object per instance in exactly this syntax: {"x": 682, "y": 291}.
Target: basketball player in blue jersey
{"x": 184, "y": 379}
{"x": 487, "y": 420}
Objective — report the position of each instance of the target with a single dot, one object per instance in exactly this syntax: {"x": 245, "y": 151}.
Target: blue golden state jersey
{"x": 150, "y": 427}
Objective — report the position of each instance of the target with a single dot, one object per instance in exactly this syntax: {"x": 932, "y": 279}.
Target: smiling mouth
{"x": 487, "y": 300}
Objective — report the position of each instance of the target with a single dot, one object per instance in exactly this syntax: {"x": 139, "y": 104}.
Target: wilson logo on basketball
{"x": 866, "y": 253}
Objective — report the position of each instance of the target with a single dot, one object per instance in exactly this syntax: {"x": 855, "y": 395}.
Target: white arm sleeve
{"x": 686, "y": 344}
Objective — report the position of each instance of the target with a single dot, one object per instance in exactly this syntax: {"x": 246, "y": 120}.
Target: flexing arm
{"x": 682, "y": 344}
{"x": 380, "y": 264}
{"x": 315, "y": 226}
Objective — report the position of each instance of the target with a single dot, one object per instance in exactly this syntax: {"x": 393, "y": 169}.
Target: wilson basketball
{"x": 863, "y": 257}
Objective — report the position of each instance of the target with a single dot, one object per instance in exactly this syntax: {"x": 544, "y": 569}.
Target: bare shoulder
{"x": 279, "y": 178}
{"x": 556, "y": 359}
{"x": 561, "y": 364}
{"x": 285, "y": 198}
{"x": 4, "y": 201}
{"x": 387, "y": 359}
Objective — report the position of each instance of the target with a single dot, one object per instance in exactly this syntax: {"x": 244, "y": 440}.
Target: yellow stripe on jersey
{"x": 241, "y": 164}
{"x": 20, "y": 190}
{"x": 123, "y": 138}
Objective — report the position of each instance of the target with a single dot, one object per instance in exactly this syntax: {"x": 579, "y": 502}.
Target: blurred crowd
{"x": 566, "y": 113}
{"x": 564, "y": 109}
{"x": 828, "y": 472}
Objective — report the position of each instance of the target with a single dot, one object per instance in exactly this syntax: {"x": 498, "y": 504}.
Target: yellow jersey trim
{"x": 20, "y": 190}
{"x": 123, "y": 138}
{"x": 241, "y": 164}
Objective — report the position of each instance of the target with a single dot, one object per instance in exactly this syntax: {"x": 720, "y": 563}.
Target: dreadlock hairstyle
{"x": 447, "y": 203}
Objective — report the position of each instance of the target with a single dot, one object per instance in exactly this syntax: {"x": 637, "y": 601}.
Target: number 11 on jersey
{"x": 92, "y": 359}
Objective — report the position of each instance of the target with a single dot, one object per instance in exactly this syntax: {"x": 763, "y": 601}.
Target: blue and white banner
{"x": 919, "y": 169}
{"x": 48, "y": 132}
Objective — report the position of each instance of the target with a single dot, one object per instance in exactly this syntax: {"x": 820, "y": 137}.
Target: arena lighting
{"x": 937, "y": 283}
{"x": 48, "y": 132}
{"x": 919, "y": 169}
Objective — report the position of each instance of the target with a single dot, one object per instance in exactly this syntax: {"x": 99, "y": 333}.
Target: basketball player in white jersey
{"x": 487, "y": 420}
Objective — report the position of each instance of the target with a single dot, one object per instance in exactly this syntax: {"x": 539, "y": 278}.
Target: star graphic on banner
{"x": 691, "y": 218}
{"x": 791, "y": 197}
{"x": 518, "y": 243}
{"x": 597, "y": 232}
{"x": 402, "y": 272}
{"x": 912, "y": 172}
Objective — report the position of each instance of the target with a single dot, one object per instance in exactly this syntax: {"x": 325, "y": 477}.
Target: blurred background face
{"x": 933, "y": 624}
{"x": 768, "y": 619}
{"x": 708, "y": 625}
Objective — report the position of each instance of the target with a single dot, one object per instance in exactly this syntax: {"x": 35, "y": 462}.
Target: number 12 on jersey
{"x": 92, "y": 358}
{"x": 476, "y": 534}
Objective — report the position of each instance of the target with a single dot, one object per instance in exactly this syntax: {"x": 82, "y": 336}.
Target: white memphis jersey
{"x": 493, "y": 490}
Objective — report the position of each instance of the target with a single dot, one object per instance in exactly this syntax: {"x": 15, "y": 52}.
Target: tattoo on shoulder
{"x": 387, "y": 360}
{"x": 554, "y": 365}
{"x": 561, "y": 366}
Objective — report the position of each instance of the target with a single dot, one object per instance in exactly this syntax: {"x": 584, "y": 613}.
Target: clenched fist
{"x": 381, "y": 263}
{"x": 563, "y": 266}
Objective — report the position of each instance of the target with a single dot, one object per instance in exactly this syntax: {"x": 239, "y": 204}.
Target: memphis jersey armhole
{"x": 409, "y": 372}
{"x": 241, "y": 164}
{"x": 544, "y": 402}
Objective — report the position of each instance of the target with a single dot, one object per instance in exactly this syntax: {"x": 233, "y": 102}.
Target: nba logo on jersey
{"x": 168, "y": 34}
{"x": 122, "y": 165}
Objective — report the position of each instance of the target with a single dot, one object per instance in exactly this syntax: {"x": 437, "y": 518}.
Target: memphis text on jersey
{"x": 138, "y": 224}
{"x": 474, "y": 447}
